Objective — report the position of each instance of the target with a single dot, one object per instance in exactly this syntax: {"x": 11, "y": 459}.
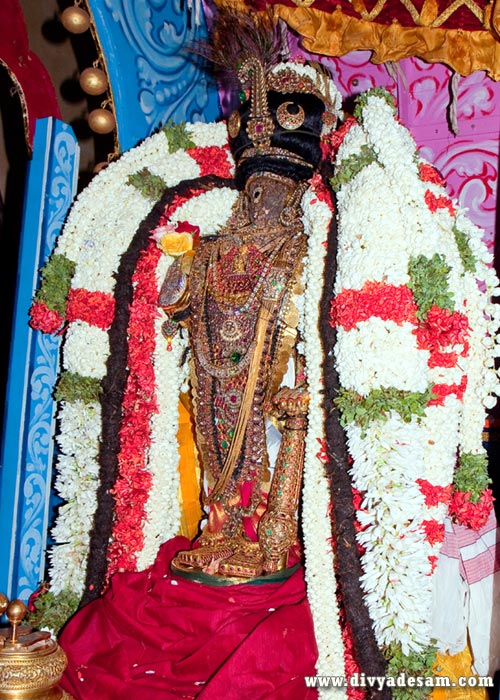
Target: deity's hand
{"x": 174, "y": 297}
{"x": 290, "y": 402}
{"x": 174, "y": 293}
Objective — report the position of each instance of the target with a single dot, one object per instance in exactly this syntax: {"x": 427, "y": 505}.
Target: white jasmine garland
{"x": 169, "y": 168}
{"x": 321, "y": 584}
{"x": 109, "y": 205}
{"x": 82, "y": 431}
{"x": 390, "y": 140}
{"x": 370, "y": 230}
{"x": 162, "y": 511}
{"x": 388, "y": 461}
{"x": 384, "y": 221}
{"x": 208, "y": 211}
{"x": 212, "y": 134}
{"x": 483, "y": 318}
{"x": 371, "y": 339}
{"x": 68, "y": 561}
{"x": 86, "y": 349}
{"x": 76, "y": 482}
{"x": 439, "y": 453}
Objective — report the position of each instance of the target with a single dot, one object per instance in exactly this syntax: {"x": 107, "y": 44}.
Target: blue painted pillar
{"x": 27, "y": 441}
{"x": 154, "y": 77}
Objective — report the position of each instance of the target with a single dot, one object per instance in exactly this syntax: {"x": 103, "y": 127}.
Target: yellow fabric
{"x": 336, "y": 34}
{"x": 189, "y": 491}
{"x": 454, "y": 667}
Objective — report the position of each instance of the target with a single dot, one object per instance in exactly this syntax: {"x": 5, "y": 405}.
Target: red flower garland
{"x": 139, "y": 403}
{"x": 473, "y": 515}
{"x": 95, "y": 308}
{"x": 322, "y": 454}
{"x": 386, "y": 301}
{"x": 330, "y": 143}
{"x": 44, "y": 319}
{"x": 441, "y": 329}
{"x": 442, "y": 359}
{"x": 433, "y": 493}
{"x": 322, "y": 191}
{"x": 351, "y": 667}
{"x": 434, "y": 531}
{"x": 213, "y": 160}
{"x": 428, "y": 173}
{"x": 434, "y": 203}
{"x": 441, "y": 391}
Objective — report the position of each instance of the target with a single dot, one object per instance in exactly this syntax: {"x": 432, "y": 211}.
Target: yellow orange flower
{"x": 176, "y": 244}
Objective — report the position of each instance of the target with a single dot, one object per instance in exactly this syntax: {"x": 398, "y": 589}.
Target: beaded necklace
{"x": 224, "y": 344}
{"x": 232, "y": 312}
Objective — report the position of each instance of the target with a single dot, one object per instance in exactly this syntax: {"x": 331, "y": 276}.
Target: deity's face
{"x": 268, "y": 195}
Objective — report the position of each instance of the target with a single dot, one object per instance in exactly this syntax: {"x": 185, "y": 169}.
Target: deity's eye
{"x": 256, "y": 194}
{"x": 290, "y": 119}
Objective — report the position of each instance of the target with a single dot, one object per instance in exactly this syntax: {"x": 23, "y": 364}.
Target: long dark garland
{"x": 113, "y": 386}
{"x": 348, "y": 564}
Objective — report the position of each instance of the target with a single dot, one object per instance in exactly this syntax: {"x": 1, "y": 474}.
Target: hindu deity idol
{"x": 238, "y": 294}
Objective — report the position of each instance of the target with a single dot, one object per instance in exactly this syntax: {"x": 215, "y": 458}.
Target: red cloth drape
{"x": 155, "y": 637}
{"x": 38, "y": 96}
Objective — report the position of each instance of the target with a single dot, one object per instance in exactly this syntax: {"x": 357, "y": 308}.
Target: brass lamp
{"x": 31, "y": 662}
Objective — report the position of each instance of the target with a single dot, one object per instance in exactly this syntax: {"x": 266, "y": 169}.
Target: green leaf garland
{"x": 466, "y": 254}
{"x": 421, "y": 664}
{"x": 53, "y": 610}
{"x": 471, "y": 475}
{"x": 178, "y": 137}
{"x": 149, "y": 185}
{"x": 56, "y": 282}
{"x": 351, "y": 166}
{"x": 429, "y": 283}
{"x": 73, "y": 387}
{"x": 378, "y": 404}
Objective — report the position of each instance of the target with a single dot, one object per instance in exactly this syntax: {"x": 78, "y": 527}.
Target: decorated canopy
{"x": 462, "y": 34}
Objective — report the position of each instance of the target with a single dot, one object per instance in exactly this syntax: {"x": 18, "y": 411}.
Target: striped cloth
{"x": 466, "y": 605}
{"x": 478, "y": 551}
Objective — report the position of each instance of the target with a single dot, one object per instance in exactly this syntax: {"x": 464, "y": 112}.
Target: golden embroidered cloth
{"x": 464, "y": 34}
